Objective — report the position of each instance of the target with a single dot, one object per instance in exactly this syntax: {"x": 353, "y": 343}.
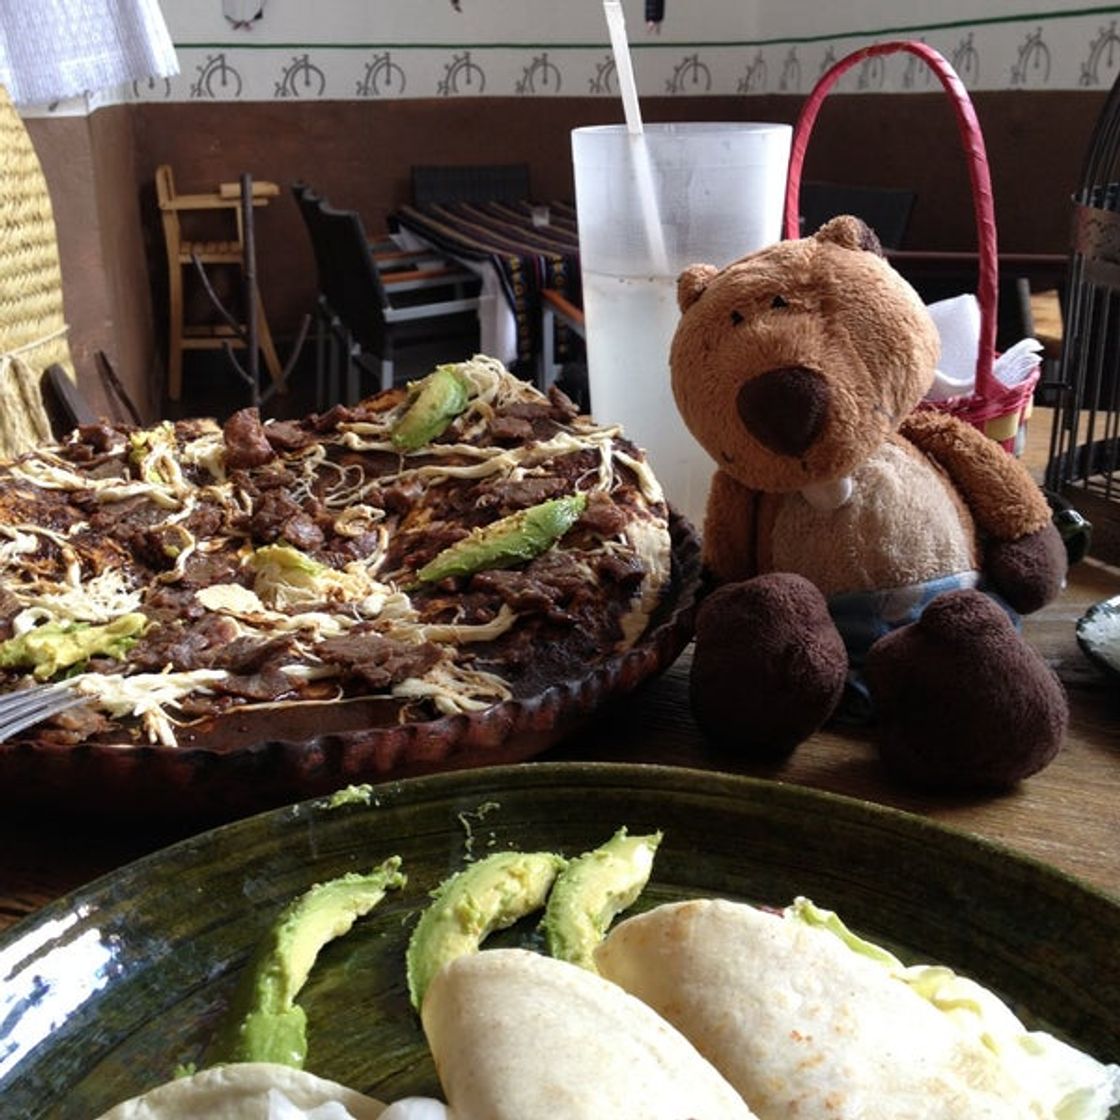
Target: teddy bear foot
{"x": 962, "y": 701}
{"x": 769, "y": 666}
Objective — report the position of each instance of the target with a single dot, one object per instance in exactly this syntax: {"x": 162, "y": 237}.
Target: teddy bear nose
{"x": 784, "y": 409}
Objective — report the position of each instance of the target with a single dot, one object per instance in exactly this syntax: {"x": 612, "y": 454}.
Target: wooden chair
{"x": 554, "y": 308}
{"x": 182, "y": 252}
{"x": 365, "y": 309}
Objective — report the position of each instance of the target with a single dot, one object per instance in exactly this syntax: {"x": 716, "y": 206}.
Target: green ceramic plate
{"x": 103, "y": 993}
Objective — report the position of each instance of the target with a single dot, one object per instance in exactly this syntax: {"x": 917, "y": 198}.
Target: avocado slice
{"x": 54, "y": 646}
{"x": 440, "y": 397}
{"x": 592, "y": 890}
{"x": 508, "y": 541}
{"x": 264, "y": 1023}
{"x": 466, "y": 908}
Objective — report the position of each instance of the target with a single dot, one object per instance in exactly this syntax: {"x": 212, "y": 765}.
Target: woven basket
{"x": 32, "y": 325}
{"x": 996, "y": 409}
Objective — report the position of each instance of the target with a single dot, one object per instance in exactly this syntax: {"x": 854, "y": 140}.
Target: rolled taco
{"x": 519, "y": 1036}
{"x": 804, "y": 1018}
{"x": 249, "y": 1091}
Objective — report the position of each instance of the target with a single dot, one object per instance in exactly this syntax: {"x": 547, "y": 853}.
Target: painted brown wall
{"x": 126, "y": 256}
{"x": 359, "y": 153}
{"x": 90, "y": 170}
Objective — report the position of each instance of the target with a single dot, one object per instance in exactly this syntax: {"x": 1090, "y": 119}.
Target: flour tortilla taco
{"x": 519, "y": 1036}
{"x": 249, "y": 1091}
{"x": 805, "y": 1018}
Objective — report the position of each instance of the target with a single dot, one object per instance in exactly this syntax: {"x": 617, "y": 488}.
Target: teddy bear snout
{"x": 784, "y": 409}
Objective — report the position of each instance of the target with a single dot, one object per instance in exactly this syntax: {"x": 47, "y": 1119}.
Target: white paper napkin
{"x": 958, "y": 323}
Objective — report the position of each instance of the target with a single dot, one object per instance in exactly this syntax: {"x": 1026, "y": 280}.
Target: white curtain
{"x": 54, "y": 49}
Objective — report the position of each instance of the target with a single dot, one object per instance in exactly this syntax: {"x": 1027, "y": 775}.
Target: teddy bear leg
{"x": 961, "y": 700}
{"x": 769, "y": 665}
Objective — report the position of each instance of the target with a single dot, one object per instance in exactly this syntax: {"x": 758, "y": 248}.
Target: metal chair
{"x": 499, "y": 182}
{"x": 885, "y": 209}
{"x": 328, "y": 328}
{"x": 363, "y": 309}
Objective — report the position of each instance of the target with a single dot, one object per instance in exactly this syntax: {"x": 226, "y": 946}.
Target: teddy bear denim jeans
{"x": 863, "y": 617}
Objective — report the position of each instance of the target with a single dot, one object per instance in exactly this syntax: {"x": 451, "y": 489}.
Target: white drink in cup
{"x": 716, "y": 191}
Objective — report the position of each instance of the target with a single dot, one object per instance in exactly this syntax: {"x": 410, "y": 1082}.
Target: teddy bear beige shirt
{"x": 900, "y": 525}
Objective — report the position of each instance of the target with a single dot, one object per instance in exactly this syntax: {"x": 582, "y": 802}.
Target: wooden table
{"x": 1046, "y": 313}
{"x": 1068, "y": 815}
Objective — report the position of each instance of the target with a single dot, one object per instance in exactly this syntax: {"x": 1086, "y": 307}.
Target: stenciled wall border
{"x": 1071, "y": 49}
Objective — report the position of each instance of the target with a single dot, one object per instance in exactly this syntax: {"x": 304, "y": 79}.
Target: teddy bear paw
{"x": 1028, "y": 572}
{"x": 962, "y": 701}
{"x": 768, "y": 668}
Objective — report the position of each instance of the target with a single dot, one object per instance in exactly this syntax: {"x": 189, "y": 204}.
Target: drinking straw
{"x": 643, "y": 169}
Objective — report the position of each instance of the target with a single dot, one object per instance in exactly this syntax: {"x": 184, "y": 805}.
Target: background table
{"x": 515, "y": 255}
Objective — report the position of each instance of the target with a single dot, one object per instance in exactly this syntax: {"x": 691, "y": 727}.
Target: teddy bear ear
{"x": 692, "y": 282}
{"x": 850, "y": 233}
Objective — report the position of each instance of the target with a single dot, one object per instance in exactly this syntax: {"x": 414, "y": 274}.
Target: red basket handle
{"x": 972, "y": 140}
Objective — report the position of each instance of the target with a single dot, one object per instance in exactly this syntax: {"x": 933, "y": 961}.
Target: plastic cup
{"x": 718, "y": 193}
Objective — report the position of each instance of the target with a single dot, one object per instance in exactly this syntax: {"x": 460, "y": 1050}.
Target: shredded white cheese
{"x": 100, "y": 599}
{"x": 647, "y": 481}
{"x": 20, "y": 543}
{"x": 650, "y": 540}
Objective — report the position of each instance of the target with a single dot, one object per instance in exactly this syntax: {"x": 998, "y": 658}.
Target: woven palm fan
{"x": 32, "y": 325}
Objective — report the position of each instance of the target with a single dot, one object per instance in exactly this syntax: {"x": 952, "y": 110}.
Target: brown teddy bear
{"x": 864, "y": 550}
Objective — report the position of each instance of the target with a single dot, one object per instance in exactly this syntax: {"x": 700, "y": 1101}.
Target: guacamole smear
{"x": 56, "y": 646}
{"x": 265, "y": 1024}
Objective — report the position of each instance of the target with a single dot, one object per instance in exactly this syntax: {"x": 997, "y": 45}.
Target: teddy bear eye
{"x": 779, "y": 301}
{"x": 736, "y": 318}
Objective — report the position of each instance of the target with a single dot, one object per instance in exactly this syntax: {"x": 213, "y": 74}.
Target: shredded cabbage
{"x": 286, "y": 577}
{"x": 454, "y": 689}
{"x": 99, "y": 599}
{"x": 146, "y": 695}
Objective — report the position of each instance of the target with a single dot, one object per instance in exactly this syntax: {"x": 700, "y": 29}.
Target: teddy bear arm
{"x": 1004, "y": 500}
{"x": 1025, "y": 559}
{"x": 730, "y": 526}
